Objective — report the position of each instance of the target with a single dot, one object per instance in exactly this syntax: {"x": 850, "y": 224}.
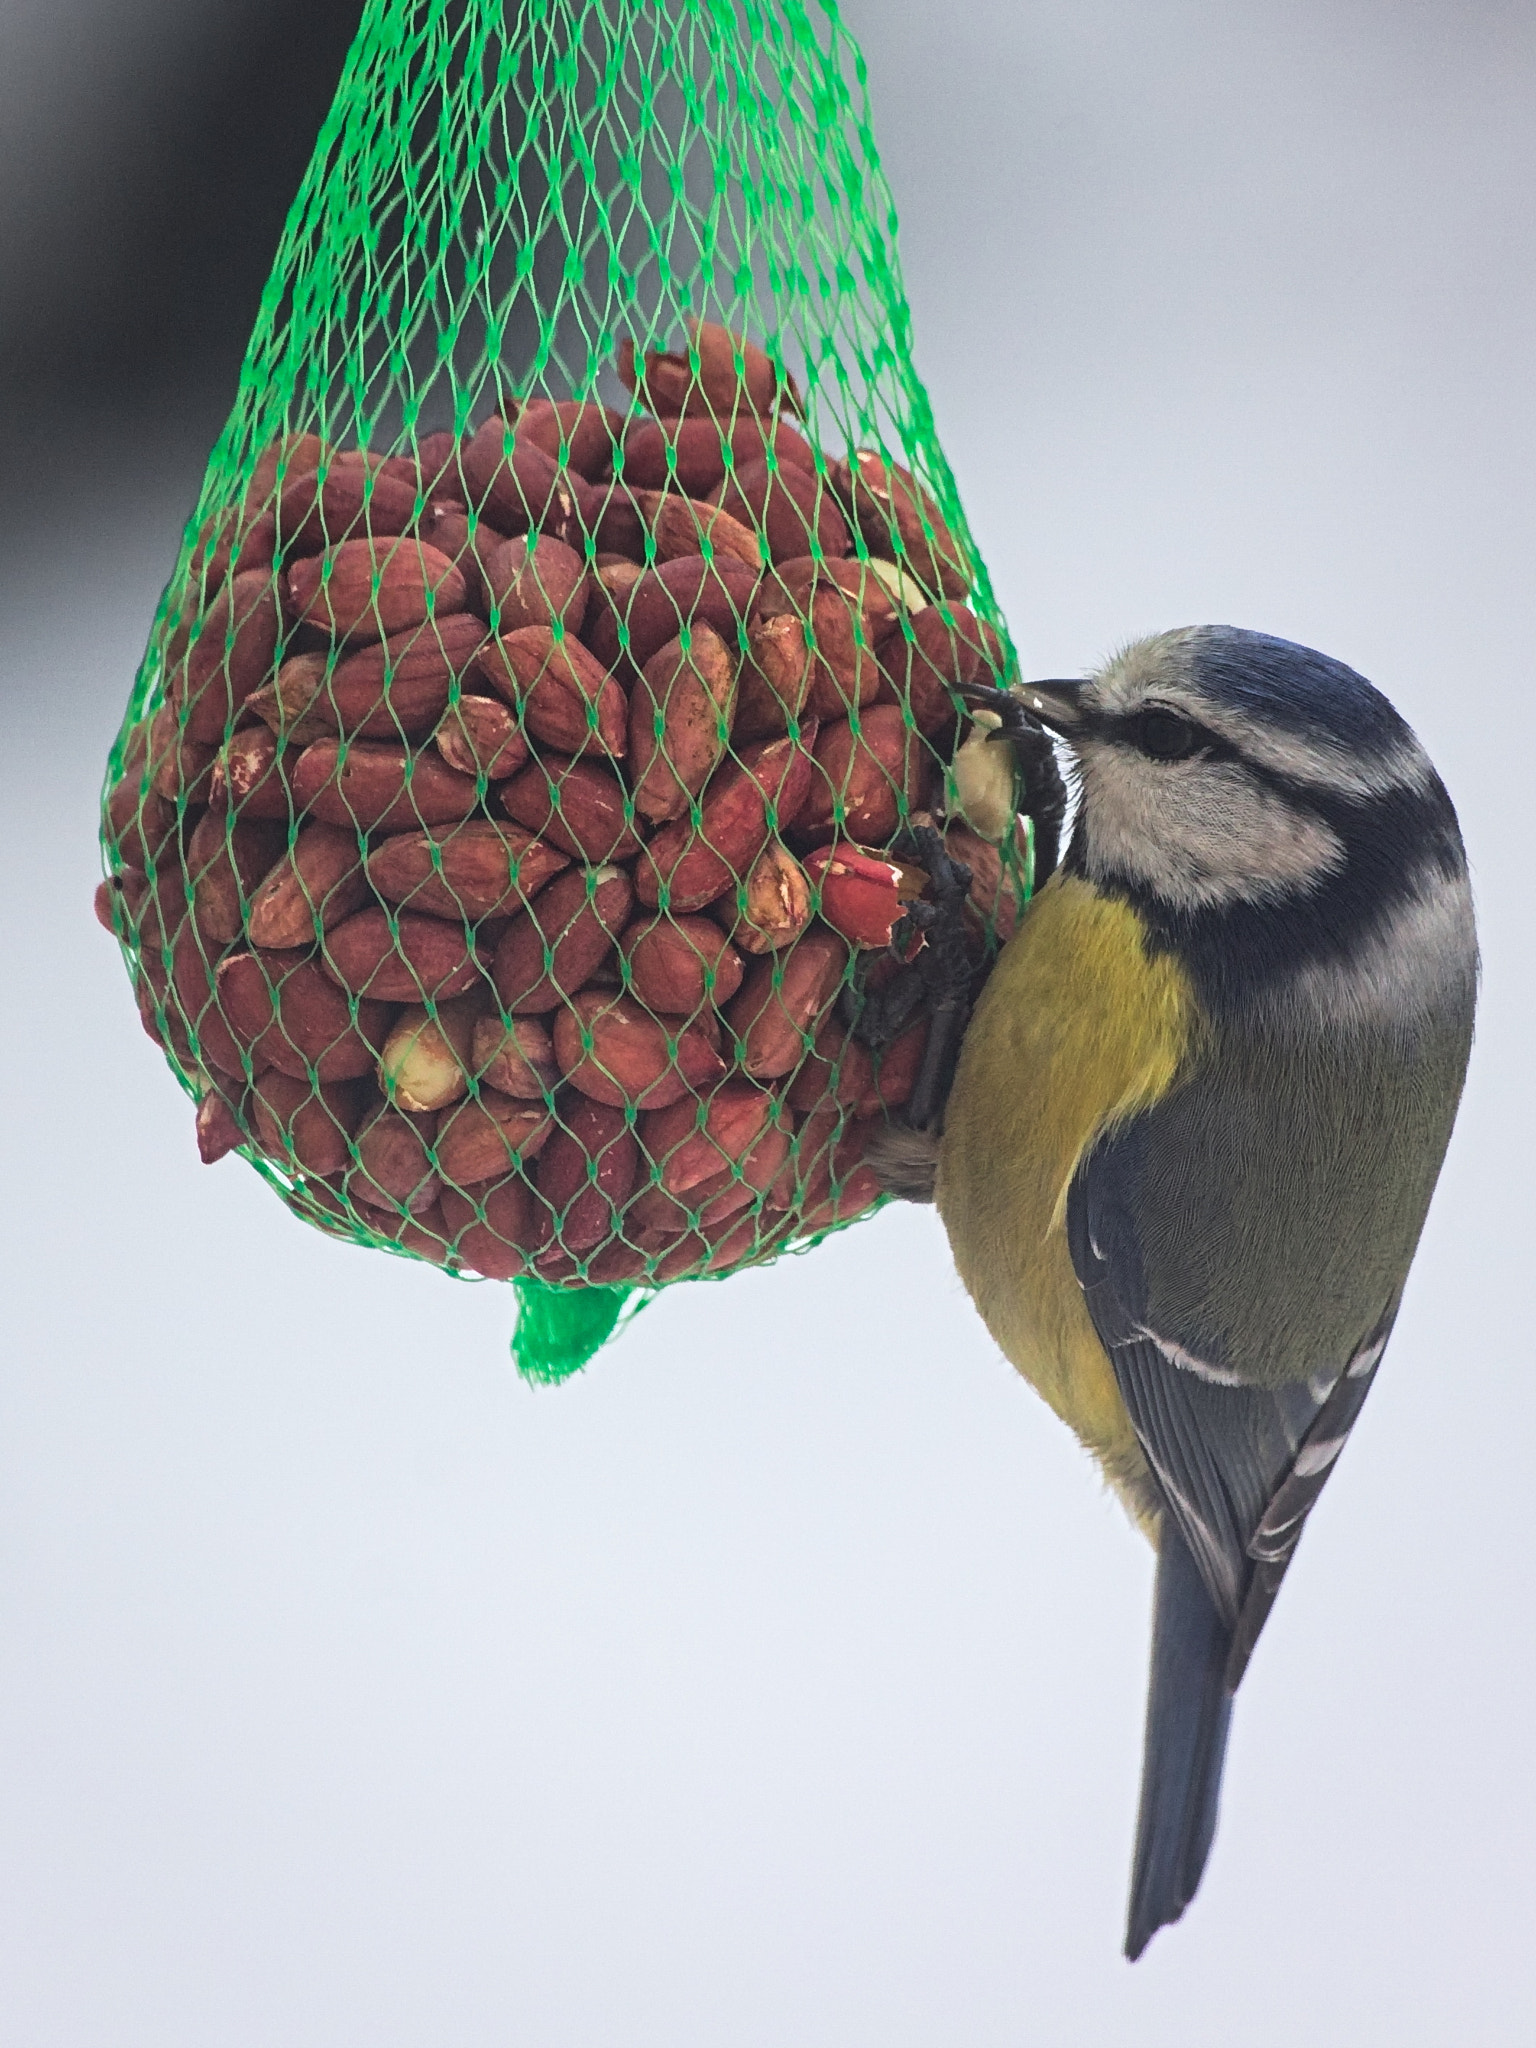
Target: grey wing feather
{"x": 1279, "y": 1530}
{"x": 1238, "y": 1466}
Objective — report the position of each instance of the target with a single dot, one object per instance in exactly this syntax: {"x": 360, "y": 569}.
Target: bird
{"x": 1195, "y": 1122}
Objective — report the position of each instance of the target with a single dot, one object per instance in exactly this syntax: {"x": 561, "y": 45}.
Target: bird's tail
{"x": 1189, "y": 1710}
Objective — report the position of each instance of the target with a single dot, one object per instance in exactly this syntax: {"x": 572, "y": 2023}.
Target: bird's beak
{"x": 1055, "y": 702}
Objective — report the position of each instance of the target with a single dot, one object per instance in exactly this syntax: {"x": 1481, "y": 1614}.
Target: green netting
{"x": 510, "y": 831}
{"x": 560, "y": 1328}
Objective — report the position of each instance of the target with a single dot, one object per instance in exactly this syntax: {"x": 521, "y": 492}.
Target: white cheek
{"x": 1198, "y": 832}
{"x": 1420, "y": 959}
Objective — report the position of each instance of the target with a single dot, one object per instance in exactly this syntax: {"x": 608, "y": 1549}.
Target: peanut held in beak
{"x": 980, "y": 782}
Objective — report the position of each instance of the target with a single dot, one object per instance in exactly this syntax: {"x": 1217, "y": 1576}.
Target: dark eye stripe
{"x": 1124, "y": 727}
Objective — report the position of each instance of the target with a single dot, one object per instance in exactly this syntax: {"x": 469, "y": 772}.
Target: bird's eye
{"x": 1166, "y": 736}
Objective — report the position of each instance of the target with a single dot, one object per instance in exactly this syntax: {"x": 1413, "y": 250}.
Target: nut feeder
{"x": 535, "y": 835}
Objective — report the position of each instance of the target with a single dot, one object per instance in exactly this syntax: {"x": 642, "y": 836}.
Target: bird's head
{"x": 1219, "y": 767}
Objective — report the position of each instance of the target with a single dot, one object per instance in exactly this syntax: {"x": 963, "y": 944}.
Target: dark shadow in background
{"x": 133, "y": 263}
{"x": 147, "y": 164}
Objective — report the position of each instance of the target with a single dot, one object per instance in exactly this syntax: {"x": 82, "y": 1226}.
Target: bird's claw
{"x": 1014, "y": 718}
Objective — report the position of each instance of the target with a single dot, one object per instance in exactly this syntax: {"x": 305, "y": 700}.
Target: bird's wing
{"x": 1238, "y": 1466}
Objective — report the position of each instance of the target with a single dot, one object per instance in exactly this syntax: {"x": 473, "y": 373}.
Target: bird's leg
{"x": 876, "y": 1016}
{"x": 946, "y": 968}
{"x": 1045, "y": 794}
{"x": 938, "y": 980}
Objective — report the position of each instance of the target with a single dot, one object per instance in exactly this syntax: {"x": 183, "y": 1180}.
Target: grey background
{"x": 780, "y": 1679}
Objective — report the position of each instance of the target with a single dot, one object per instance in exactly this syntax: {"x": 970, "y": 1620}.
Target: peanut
{"x": 535, "y": 582}
{"x": 616, "y": 1052}
{"x": 489, "y": 1221}
{"x": 586, "y": 1172}
{"x": 403, "y": 957}
{"x": 482, "y": 1137}
{"x": 680, "y": 965}
{"x": 312, "y": 887}
{"x": 768, "y": 787}
{"x": 374, "y": 787}
{"x": 567, "y": 700}
{"x": 426, "y": 1061}
{"x": 305, "y": 1126}
{"x": 514, "y": 1056}
{"x": 772, "y": 906}
{"x": 680, "y": 721}
{"x": 479, "y": 736}
{"x": 783, "y": 1000}
{"x": 367, "y": 589}
{"x": 463, "y": 872}
{"x": 869, "y": 780}
{"x": 579, "y": 806}
{"x": 553, "y": 948}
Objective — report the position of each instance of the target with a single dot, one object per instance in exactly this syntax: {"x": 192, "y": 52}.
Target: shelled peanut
{"x": 515, "y": 813}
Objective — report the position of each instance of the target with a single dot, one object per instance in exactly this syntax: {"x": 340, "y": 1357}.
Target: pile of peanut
{"x": 513, "y": 837}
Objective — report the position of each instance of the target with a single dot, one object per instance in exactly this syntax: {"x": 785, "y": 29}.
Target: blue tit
{"x": 1194, "y": 1128}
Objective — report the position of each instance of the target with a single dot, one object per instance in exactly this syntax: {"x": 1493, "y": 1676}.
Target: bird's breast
{"x": 1077, "y": 1029}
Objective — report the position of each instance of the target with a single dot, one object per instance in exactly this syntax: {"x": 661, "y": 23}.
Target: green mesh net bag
{"x": 513, "y": 821}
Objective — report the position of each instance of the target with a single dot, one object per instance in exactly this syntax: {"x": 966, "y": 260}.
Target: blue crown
{"x": 1296, "y": 688}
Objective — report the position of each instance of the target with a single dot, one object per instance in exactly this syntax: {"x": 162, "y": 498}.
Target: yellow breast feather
{"x": 1077, "y": 1030}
